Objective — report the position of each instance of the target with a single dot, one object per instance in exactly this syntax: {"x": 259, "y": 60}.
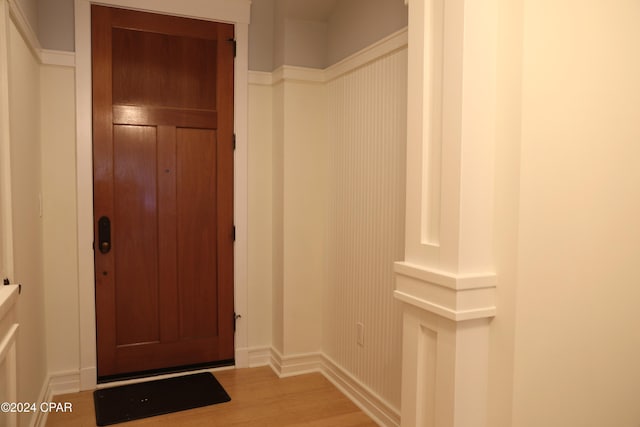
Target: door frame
{"x": 237, "y": 13}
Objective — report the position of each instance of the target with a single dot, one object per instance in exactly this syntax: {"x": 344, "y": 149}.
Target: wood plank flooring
{"x": 258, "y": 398}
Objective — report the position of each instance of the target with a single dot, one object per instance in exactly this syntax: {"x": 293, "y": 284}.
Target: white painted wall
{"x": 299, "y": 211}
{"x": 260, "y": 231}
{"x": 277, "y": 220}
{"x": 577, "y": 345}
{"x": 60, "y": 253}
{"x": 24, "y": 119}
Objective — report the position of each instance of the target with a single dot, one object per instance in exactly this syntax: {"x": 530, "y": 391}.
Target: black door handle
{"x": 104, "y": 234}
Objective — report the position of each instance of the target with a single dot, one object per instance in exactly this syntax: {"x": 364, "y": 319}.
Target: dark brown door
{"x": 163, "y": 190}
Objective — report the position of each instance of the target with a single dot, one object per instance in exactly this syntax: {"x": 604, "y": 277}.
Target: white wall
{"x": 577, "y": 345}
{"x": 24, "y": 116}
{"x": 60, "y": 254}
{"x": 260, "y": 215}
{"x": 299, "y": 209}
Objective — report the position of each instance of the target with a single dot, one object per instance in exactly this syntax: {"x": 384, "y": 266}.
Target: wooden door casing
{"x": 163, "y": 175}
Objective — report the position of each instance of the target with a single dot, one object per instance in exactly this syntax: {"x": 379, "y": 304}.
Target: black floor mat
{"x": 148, "y": 399}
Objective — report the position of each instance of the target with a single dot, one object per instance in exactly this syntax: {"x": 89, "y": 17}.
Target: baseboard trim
{"x": 362, "y": 396}
{"x": 63, "y": 383}
{"x": 56, "y": 384}
{"x": 259, "y": 356}
{"x": 295, "y": 364}
{"x": 373, "y": 405}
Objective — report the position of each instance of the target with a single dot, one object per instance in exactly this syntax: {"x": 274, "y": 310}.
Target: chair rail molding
{"x": 446, "y": 281}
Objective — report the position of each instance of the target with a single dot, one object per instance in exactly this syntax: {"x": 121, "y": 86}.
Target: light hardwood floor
{"x": 258, "y": 398}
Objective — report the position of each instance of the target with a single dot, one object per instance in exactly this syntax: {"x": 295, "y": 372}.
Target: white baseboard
{"x": 241, "y": 357}
{"x": 295, "y": 364}
{"x": 56, "y": 384}
{"x": 88, "y": 378}
{"x": 259, "y": 356}
{"x": 373, "y": 405}
{"x": 63, "y": 383}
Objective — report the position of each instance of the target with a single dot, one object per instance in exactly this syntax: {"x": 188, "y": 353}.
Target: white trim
{"x": 39, "y": 418}
{"x": 220, "y": 10}
{"x": 8, "y": 341}
{"x": 57, "y": 57}
{"x": 84, "y": 191}
{"x": 241, "y": 189}
{"x": 455, "y": 315}
{"x": 260, "y": 78}
{"x": 236, "y": 11}
{"x": 259, "y": 356}
{"x": 8, "y": 298}
{"x": 9, "y": 356}
{"x": 63, "y": 383}
{"x": 23, "y": 26}
{"x": 367, "y": 400}
{"x": 295, "y": 364}
{"x": 44, "y": 56}
{"x": 57, "y": 384}
{"x": 446, "y": 279}
{"x": 385, "y": 46}
{"x": 6, "y": 217}
{"x": 303, "y": 74}
{"x": 455, "y": 297}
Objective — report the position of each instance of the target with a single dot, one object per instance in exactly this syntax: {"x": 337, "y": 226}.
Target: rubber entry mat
{"x": 148, "y": 399}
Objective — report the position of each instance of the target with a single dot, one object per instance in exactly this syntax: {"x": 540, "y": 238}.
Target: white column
{"x": 447, "y": 279}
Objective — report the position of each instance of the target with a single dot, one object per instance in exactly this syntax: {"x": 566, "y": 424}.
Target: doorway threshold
{"x": 167, "y": 372}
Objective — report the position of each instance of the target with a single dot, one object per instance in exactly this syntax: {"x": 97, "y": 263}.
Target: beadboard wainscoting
{"x": 367, "y": 134}
{"x": 362, "y": 102}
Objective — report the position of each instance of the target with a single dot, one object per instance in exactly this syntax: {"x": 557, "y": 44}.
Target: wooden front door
{"x": 163, "y": 191}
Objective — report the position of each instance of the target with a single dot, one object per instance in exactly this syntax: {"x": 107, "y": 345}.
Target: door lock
{"x": 104, "y": 234}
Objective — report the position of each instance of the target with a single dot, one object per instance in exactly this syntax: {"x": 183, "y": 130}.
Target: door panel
{"x": 135, "y": 232}
{"x": 145, "y": 62}
{"x": 197, "y": 232}
{"x": 163, "y": 175}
